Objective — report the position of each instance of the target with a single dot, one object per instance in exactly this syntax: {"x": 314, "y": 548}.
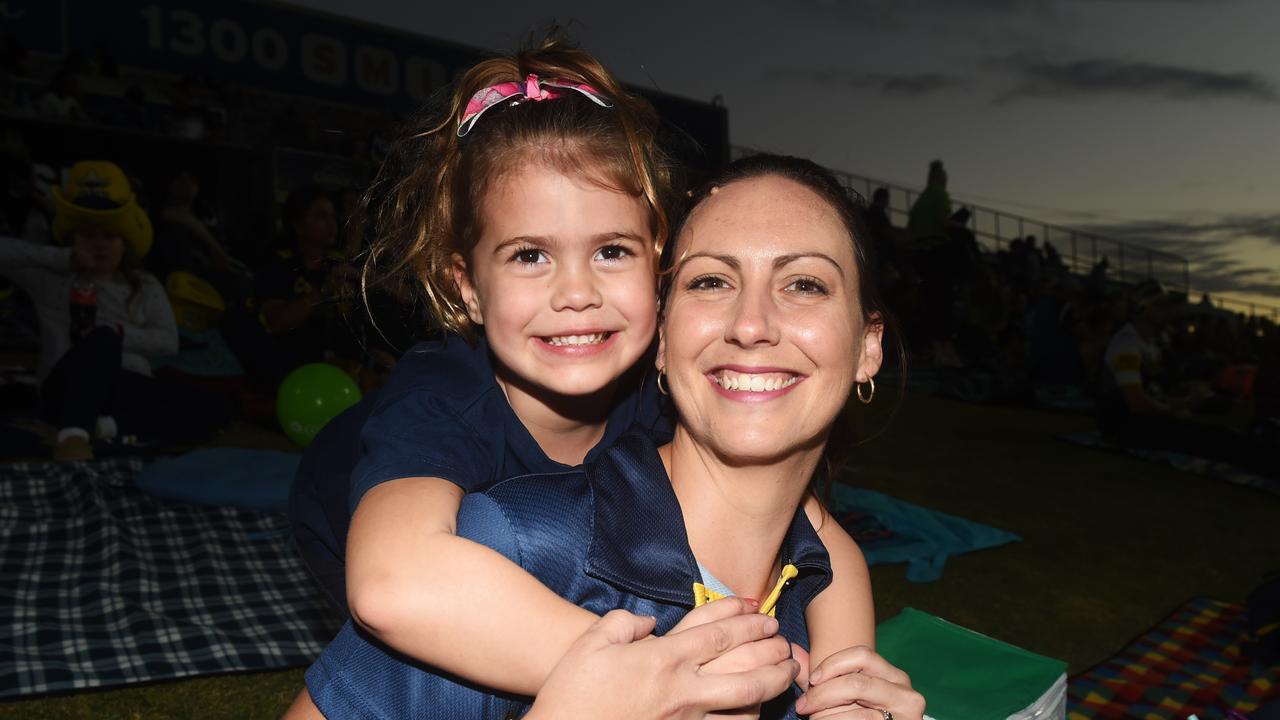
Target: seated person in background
{"x": 1132, "y": 409}
{"x": 101, "y": 317}
{"x": 295, "y": 290}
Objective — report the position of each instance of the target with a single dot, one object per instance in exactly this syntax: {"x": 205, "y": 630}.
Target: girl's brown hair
{"x": 425, "y": 203}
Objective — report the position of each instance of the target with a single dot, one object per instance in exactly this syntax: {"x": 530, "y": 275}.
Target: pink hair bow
{"x": 532, "y": 88}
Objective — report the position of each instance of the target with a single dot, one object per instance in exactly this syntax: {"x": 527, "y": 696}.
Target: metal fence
{"x": 1080, "y": 251}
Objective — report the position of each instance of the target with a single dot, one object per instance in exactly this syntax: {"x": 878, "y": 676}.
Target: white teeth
{"x": 593, "y": 339}
{"x": 754, "y": 383}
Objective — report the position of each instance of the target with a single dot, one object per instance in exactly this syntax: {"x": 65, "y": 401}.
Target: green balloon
{"x": 310, "y": 397}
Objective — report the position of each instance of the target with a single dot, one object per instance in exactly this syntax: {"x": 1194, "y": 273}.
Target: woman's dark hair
{"x": 848, "y": 206}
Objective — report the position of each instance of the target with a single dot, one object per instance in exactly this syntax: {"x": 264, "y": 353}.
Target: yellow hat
{"x": 97, "y": 194}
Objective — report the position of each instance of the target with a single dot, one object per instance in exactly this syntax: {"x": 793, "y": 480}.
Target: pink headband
{"x": 531, "y": 89}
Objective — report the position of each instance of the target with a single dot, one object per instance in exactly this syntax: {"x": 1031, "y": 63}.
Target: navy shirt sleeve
{"x": 422, "y": 425}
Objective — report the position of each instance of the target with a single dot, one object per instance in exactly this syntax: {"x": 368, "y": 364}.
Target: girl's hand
{"x": 750, "y": 656}
{"x": 611, "y": 672}
{"x": 858, "y": 684}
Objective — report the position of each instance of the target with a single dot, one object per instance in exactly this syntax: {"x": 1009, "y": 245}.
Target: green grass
{"x": 1110, "y": 545}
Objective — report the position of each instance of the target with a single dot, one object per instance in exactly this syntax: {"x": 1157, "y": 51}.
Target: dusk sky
{"x": 1152, "y": 120}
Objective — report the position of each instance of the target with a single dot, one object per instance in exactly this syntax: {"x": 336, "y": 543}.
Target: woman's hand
{"x": 858, "y": 684}
{"x": 614, "y": 671}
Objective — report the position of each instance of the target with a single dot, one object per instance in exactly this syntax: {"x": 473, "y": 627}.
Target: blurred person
{"x": 101, "y": 318}
{"x": 929, "y": 224}
{"x": 1135, "y": 410}
{"x": 297, "y": 288}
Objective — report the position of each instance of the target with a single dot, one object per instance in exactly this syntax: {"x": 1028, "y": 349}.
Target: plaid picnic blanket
{"x": 101, "y": 584}
{"x": 1194, "y": 662}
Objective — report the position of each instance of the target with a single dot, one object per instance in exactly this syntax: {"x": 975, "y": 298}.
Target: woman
{"x": 769, "y": 321}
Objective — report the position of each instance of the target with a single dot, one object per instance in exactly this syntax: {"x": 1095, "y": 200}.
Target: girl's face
{"x": 104, "y": 250}
{"x": 318, "y": 226}
{"x": 562, "y": 281}
{"x": 764, "y": 334}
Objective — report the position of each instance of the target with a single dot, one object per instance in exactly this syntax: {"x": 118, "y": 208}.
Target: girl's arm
{"x": 447, "y": 601}
{"x": 157, "y": 335}
{"x": 18, "y": 258}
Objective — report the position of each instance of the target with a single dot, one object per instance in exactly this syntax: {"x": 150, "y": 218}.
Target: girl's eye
{"x": 807, "y": 286}
{"x": 612, "y": 252}
{"x": 528, "y": 256}
{"x": 708, "y": 282}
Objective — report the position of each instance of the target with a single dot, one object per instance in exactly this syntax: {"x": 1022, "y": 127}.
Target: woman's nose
{"x": 753, "y": 322}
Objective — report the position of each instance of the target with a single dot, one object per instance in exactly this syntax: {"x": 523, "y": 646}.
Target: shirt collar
{"x": 638, "y": 540}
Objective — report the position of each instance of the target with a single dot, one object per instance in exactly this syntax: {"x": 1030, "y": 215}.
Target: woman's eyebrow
{"x": 729, "y": 260}
{"x": 782, "y": 260}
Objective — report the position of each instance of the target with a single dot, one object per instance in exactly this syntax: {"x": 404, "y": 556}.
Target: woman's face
{"x": 318, "y": 226}
{"x": 764, "y": 334}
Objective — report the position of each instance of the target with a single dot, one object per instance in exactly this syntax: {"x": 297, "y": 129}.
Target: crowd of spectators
{"x": 1022, "y": 317}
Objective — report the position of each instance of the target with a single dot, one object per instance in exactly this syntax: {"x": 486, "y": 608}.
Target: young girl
{"x": 101, "y": 318}
{"x": 533, "y": 208}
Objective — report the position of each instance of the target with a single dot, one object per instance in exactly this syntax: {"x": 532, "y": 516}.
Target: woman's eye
{"x": 612, "y": 252}
{"x": 708, "y": 282}
{"x": 528, "y": 256}
{"x": 807, "y": 286}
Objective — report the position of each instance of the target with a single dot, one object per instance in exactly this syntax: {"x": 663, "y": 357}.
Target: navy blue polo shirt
{"x": 441, "y": 414}
{"x": 605, "y": 536}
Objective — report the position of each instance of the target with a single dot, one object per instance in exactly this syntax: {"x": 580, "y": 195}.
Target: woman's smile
{"x": 753, "y": 384}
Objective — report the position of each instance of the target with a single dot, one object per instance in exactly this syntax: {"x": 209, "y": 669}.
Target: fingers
{"x": 742, "y": 689}
{"x": 751, "y": 655}
{"x": 713, "y": 611}
{"x": 706, "y": 642}
{"x": 618, "y": 627}
{"x": 801, "y": 656}
{"x": 858, "y": 659}
{"x": 865, "y": 690}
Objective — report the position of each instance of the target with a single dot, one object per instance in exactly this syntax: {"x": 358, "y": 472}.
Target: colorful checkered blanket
{"x": 101, "y": 584}
{"x": 1194, "y": 662}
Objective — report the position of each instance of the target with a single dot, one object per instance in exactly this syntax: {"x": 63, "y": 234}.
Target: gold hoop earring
{"x": 661, "y": 389}
{"x": 858, "y": 389}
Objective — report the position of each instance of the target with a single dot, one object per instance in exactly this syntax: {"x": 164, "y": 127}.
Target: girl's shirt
{"x": 441, "y": 414}
{"x": 607, "y": 535}
{"x": 144, "y": 317}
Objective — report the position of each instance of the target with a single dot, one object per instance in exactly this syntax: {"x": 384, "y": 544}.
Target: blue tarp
{"x": 893, "y": 531}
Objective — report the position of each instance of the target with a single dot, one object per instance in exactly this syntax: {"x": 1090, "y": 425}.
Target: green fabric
{"x": 964, "y": 675}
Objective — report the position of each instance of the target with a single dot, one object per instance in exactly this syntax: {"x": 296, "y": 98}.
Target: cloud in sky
{"x": 1036, "y": 77}
{"x": 1212, "y": 246}
{"x": 885, "y": 84}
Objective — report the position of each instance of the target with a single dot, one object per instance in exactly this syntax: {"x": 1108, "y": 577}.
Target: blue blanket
{"x": 224, "y": 477}
{"x": 893, "y": 531}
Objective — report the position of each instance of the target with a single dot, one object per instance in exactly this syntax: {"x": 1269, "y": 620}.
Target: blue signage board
{"x": 267, "y": 45}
